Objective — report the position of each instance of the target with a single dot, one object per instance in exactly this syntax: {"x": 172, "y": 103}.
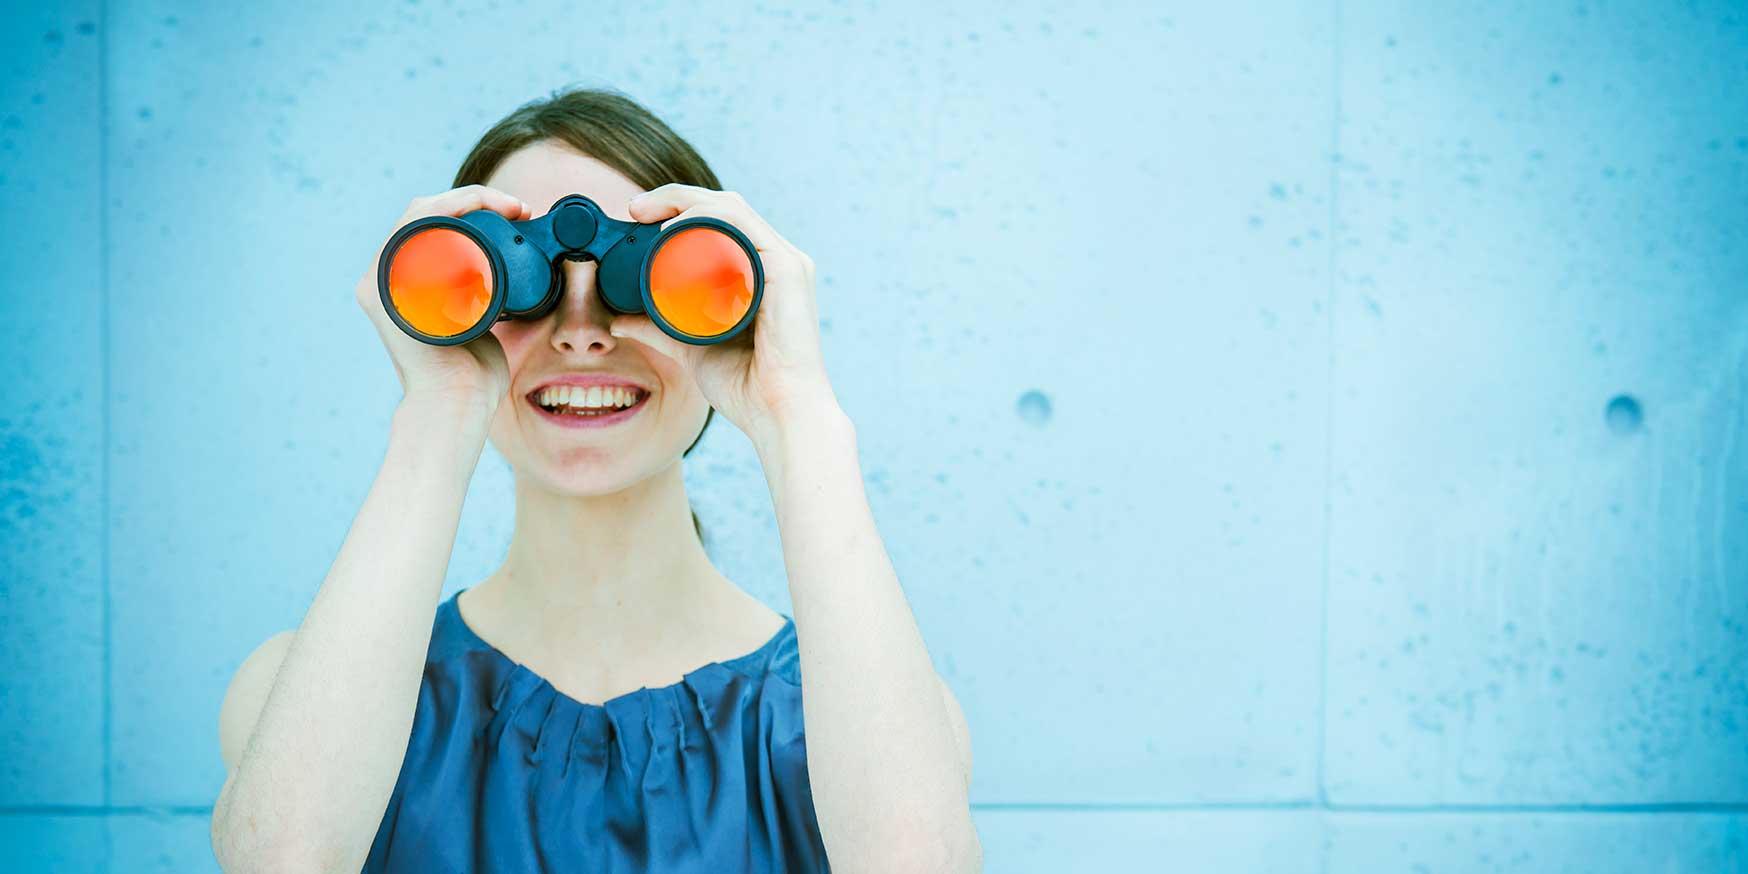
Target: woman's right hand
{"x": 471, "y": 373}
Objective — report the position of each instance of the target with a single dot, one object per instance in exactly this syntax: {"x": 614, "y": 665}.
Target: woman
{"x": 605, "y": 700}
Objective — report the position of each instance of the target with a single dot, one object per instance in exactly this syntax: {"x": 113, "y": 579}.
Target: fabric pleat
{"x": 504, "y": 773}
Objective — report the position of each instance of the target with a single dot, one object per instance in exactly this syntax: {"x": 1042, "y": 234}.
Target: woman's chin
{"x": 587, "y": 471}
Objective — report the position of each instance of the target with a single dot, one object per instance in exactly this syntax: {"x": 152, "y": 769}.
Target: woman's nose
{"x": 581, "y": 316}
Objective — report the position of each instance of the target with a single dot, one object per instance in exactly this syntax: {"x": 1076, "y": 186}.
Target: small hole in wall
{"x": 1034, "y": 407}
{"x": 1624, "y": 415}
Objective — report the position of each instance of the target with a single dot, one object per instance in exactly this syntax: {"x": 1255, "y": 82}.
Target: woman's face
{"x": 567, "y": 452}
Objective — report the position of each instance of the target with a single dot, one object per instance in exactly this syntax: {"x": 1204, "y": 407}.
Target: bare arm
{"x": 888, "y": 754}
{"x": 310, "y": 776}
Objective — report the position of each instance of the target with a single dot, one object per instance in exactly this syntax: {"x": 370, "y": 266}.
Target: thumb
{"x": 643, "y": 330}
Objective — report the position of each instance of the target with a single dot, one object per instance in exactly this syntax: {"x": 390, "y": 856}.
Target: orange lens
{"x": 440, "y": 282}
{"x": 701, "y": 281}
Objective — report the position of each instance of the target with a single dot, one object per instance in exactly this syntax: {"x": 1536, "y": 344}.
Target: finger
{"x": 666, "y": 200}
{"x": 468, "y": 198}
{"x": 675, "y": 201}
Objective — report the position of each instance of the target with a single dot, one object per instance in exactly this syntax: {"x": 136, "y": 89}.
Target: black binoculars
{"x": 446, "y": 280}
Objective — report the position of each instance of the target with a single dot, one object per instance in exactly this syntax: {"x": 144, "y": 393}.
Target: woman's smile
{"x": 587, "y": 401}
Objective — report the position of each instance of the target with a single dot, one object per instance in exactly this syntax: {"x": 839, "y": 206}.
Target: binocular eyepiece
{"x": 446, "y": 280}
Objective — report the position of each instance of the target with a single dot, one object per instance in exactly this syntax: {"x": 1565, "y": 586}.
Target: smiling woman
{"x": 605, "y": 699}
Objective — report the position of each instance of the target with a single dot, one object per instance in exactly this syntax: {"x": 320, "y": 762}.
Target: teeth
{"x": 586, "y": 401}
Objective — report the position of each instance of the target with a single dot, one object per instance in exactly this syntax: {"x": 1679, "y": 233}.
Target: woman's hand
{"x": 474, "y": 373}
{"x": 772, "y": 373}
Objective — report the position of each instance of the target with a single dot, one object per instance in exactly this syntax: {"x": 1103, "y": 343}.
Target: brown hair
{"x": 609, "y": 127}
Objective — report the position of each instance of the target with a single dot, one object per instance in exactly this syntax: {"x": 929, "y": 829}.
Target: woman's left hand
{"x": 772, "y": 372}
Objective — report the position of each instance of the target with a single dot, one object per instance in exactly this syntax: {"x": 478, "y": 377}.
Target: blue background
{"x": 1312, "y": 436}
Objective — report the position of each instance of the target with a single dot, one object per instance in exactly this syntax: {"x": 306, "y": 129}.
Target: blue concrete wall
{"x": 1314, "y": 437}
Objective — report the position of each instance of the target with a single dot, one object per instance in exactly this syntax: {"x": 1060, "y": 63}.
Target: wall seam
{"x": 1321, "y": 774}
{"x": 1558, "y": 809}
{"x": 103, "y": 332}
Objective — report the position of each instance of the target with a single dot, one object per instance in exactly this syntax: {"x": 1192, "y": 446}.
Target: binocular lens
{"x": 440, "y": 281}
{"x": 701, "y": 281}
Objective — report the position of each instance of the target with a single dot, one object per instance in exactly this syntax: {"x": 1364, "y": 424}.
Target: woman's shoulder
{"x": 779, "y": 656}
{"x": 450, "y": 636}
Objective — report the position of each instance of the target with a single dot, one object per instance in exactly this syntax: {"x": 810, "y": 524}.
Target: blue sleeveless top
{"x": 506, "y": 773}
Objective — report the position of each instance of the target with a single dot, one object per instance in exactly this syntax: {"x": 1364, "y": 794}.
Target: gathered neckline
{"x": 740, "y": 664}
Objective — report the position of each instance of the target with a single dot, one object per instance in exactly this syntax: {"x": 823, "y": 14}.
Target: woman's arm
{"x": 888, "y": 755}
{"x": 316, "y": 724}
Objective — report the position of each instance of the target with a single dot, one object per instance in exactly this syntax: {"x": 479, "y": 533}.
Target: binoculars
{"x": 446, "y": 280}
